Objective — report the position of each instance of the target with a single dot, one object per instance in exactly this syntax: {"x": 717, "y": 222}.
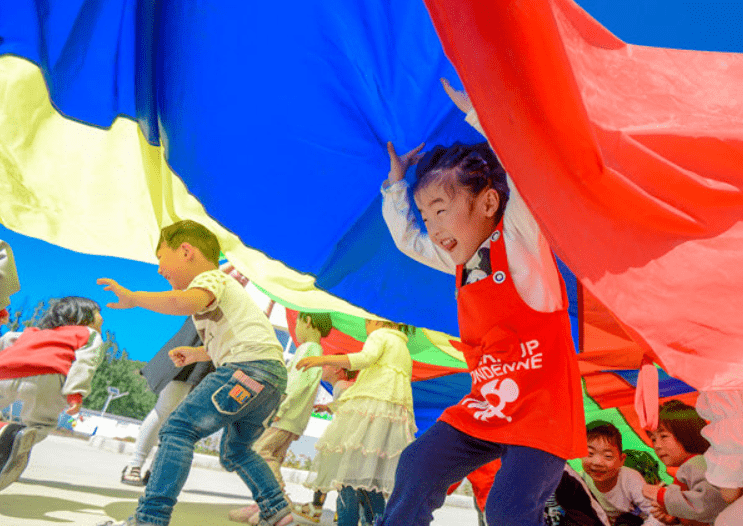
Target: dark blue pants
{"x": 349, "y": 500}
{"x": 443, "y": 455}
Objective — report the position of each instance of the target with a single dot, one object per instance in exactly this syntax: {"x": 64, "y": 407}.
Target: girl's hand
{"x": 660, "y": 514}
{"x": 73, "y": 409}
{"x": 400, "y": 164}
{"x": 184, "y": 355}
{"x": 310, "y": 361}
{"x": 459, "y": 98}
{"x": 125, "y": 296}
{"x": 650, "y": 491}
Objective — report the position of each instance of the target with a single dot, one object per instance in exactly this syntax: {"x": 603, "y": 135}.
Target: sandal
{"x": 307, "y": 513}
{"x": 133, "y": 476}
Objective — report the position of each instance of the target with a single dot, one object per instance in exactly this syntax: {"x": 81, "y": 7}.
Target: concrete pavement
{"x": 73, "y": 481}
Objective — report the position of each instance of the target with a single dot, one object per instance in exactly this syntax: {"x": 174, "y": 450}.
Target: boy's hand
{"x": 73, "y": 408}
{"x": 400, "y": 164}
{"x": 185, "y": 355}
{"x": 4, "y": 316}
{"x": 310, "y": 361}
{"x": 125, "y": 296}
{"x": 459, "y": 98}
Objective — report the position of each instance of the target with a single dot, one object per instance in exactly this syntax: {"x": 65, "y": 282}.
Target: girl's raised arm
{"x": 401, "y": 222}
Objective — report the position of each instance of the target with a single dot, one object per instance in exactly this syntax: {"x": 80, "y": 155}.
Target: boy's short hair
{"x": 476, "y": 167}
{"x": 193, "y": 233}
{"x": 685, "y": 424}
{"x": 319, "y": 320}
{"x": 70, "y": 310}
{"x": 605, "y": 430}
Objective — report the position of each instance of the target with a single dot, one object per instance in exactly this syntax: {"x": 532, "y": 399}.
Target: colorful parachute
{"x": 268, "y": 122}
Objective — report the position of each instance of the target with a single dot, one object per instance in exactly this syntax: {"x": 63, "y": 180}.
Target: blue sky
{"x": 48, "y": 271}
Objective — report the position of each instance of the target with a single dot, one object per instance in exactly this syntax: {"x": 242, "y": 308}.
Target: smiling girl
{"x": 679, "y": 443}
{"x": 525, "y": 405}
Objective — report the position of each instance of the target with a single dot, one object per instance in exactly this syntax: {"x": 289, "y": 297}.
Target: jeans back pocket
{"x": 236, "y": 394}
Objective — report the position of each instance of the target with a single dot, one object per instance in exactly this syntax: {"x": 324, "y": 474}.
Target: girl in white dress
{"x": 373, "y": 422}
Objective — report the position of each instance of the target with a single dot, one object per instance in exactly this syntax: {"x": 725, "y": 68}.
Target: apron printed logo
{"x": 496, "y": 397}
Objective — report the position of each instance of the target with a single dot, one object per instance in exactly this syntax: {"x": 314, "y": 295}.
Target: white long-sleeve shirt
{"x": 301, "y": 391}
{"x": 625, "y": 497}
{"x": 530, "y": 259}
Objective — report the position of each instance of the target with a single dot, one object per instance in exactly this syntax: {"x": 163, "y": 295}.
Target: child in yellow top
{"x": 240, "y": 396}
{"x": 373, "y": 422}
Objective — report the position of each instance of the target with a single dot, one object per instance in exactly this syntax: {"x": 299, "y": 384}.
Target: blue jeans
{"x": 444, "y": 455}
{"x": 349, "y": 499}
{"x": 242, "y": 404}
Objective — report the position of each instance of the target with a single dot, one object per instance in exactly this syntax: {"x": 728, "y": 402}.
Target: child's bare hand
{"x": 73, "y": 409}
{"x": 400, "y": 164}
{"x": 322, "y": 408}
{"x": 184, "y": 355}
{"x": 660, "y": 514}
{"x": 124, "y": 295}
{"x": 310, "y": 361}
{"x": 650, "y": 491}
{"x": 4, "y": 316}
{"x": 459, "y": 98}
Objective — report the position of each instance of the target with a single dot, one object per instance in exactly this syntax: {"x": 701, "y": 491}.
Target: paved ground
{"x": 72, "y": 481}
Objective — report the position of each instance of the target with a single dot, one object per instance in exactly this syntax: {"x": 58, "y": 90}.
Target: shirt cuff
{"x": 398, "y": 186}
{"x": 661, "y": 498}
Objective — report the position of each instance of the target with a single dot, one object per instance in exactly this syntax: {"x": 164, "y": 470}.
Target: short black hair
{"x": 70, "y": 310}
{"x": 475, "y": 166}
{"x": 194, "y": 234}
{"x": 605, "y": 430}
{"x": 319, "y": 320}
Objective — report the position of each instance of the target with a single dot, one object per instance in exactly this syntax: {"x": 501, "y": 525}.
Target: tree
{"x": 117, "y": 370}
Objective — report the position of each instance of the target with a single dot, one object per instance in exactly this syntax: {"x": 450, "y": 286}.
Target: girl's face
{"x": 373, "y": 325}
{"x": 458, "y": 223}
{"x": 97, "y": 321}
{"x": 669, "y": 450}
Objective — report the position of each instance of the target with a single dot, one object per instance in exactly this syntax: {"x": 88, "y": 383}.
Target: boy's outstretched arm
{"x": 176, "y": 302}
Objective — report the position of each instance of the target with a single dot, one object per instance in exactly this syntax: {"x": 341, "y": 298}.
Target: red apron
{"x": 526, "y": 386}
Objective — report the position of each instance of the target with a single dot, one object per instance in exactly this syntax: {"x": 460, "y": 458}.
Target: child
{"x": 171, "y": 384}
{"x": 294, "y": 412}
{"x": 617, "y": 488}
{"x": 239, "y": 396}
{"x": 8, "y": 280}
{"x": 341, "y": 379}
{"x": 373, "y": 422}
{"x": 48, "y": 368}
{"x": 526, "y": 403}
{"x": 678, "y": 442}
{"x": 724, "y": 458}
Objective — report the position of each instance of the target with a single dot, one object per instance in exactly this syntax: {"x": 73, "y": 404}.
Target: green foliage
{"x": 116, "y": 370}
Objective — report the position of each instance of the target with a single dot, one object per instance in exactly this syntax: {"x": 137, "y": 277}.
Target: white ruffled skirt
{"x": 361, "y": 446}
